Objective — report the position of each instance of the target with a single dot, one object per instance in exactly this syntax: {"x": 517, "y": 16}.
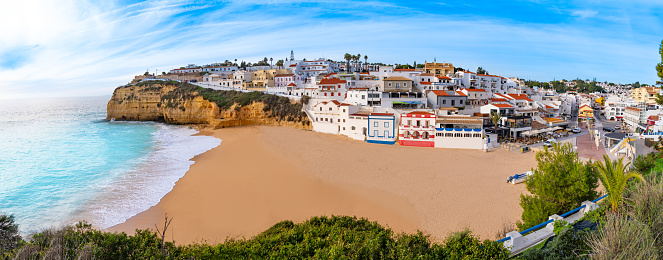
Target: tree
{"x": 495, "y": 117}
{"x": 279, "y": 63}
{"x": 270, "y": 62}
{"x": 480, "y": 70}
{"x": 366, "y": 61}
{"x": 357, "y": 60}
{"x": 457, "y": 69}
{"x": 614, "y": 176}
{"x": 235, "y": 62}
{"x": 9, "y": 237}
{"x": 347, "y": 57}
{"x": 558, "y": 184}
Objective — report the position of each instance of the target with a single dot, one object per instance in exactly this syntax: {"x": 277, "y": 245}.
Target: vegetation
{"x": 570, "y": 242}
{"x": 659, "y": 73}
{"x": 317, "y": 238}
{"x": 9, "y": 237}
{"x": 581, "y": 86}
{"x": 560, "y": 183}
{"x": 481, "y": 70}
{"x": 644, "y": 164}
{"x": 614, "y": 176}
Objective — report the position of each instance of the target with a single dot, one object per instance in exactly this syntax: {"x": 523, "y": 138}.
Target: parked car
{"x": 576, "y": 130}
{"x": 549, "y": 142}
{"x": 618, "y": 127}
{"x": 608, "y": 129}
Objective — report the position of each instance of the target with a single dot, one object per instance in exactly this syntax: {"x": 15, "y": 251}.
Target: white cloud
{"x": 89, "y": 49}
{"x": 584, "y": 13}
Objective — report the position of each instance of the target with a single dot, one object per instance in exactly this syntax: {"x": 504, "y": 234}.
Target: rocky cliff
{"x": 181, "y": 103}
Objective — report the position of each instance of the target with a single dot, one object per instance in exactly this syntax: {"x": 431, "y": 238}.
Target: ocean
{"x": 62, "y": 162}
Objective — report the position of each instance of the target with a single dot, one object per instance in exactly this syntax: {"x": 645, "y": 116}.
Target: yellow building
{"x": 644, "y": 94}
{"x": 439, "y": 69}
{"x": 261, "y": 79}
{"x": 586, "y": 111}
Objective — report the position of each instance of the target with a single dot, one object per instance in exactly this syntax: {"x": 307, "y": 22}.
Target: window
{"x": 353, "y": 128}
{"x": 375, "y": 124}
{"x": 344, "y": 110}
{"x": 343, "y": 120}
{"x": 363, "y": 97}
{"x": 386, "y": 124}
{"x": 406, "y": 134}
{"x": 320, "y": 108}
{"x": 418, "y": 123}
{"x": 425, "y": 135}
{"x": 404, "y": 84}
{"x": 344, "y": 128}
{"x": 444, "y": 101}
{"x": 339, "y": 120}
{"x": 330, "y": 109}
{"x": 390, "y": 84}
{"x": 453, "y": 102}
{"x": 398, "y": 85}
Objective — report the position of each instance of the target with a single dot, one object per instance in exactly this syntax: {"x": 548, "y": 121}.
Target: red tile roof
{"x": 474, "y": 89}
{"x": 292, "y": 84}
{"x": 498, "y": 100}
{"x": 461, "y": 93}
{"x": 424, "y": 83}
{"x": 440, "y": 93}
{"x": 293, "y": 65}
{"x": 443, "y": 77}
{"x": 502, "y": 105}
{"x": 331, "y": 81}
{"x": 519, "y": 97}
{"x": 420, "y": 113}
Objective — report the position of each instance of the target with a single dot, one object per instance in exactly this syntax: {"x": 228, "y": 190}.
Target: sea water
{"x": 62, "y": 162}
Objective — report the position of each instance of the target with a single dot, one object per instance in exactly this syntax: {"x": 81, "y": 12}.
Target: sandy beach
{"x": 259, "y": 176}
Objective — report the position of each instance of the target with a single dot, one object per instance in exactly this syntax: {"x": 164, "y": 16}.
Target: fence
{"x": 517, "y": 242}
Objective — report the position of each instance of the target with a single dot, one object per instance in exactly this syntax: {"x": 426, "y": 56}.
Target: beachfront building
{"x": 635, "y": 118}
{"x": 381, "y": 128}
{"x": 417, "y": 128}
{"x": 464, "y": 132}
{"x": 191, "y": 68}
{"x": 446, "y": 98}
{"x": 353, "y": 121}
{"x": 326, "y": 117}
{"x": 241, "y": 79}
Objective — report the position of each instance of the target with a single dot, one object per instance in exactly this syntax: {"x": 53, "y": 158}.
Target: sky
{"x": 63, "y": 48}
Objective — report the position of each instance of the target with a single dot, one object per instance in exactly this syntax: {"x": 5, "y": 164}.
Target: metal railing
{"x": 551, "y": 220}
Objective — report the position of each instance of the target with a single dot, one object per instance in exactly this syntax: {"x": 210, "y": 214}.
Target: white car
{"x": 576, "y": 130}
{"x": 549, "y": 142}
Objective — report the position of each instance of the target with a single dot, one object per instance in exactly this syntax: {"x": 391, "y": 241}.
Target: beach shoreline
{"x": 259, "y": 176}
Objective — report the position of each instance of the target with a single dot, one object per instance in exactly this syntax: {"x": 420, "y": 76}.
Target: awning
{"x": 399, "y": 103}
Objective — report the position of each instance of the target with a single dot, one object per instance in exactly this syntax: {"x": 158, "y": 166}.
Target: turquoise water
{"x": 61, "y": 162}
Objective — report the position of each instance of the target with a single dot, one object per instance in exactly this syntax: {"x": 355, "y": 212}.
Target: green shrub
{"x": 317, "y": 238}
{"x": 569, "y": 243}
{"x": 560, "y": 183}
{"x": 623, "y": 238}
{"x": 9, "y": 236}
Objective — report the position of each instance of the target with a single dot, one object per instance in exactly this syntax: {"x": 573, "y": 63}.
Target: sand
{"x": 259, "y": 176}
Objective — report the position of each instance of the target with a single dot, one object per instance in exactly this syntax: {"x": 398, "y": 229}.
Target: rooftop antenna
{"x": 434, "y": 60}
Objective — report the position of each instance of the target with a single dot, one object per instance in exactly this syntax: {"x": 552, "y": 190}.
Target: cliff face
{"x": 155, "y": 103}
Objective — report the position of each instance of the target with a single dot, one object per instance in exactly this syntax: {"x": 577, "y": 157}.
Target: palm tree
{"x": 614, "y": 176}
{"x": 366, "y": 61}
{"x": 357, "y": 60}
{"x": 270, "y": 62}
{"x": 235, "y": 62}
{"x": 347, "y": 57}
{"x": 495, "y": 117}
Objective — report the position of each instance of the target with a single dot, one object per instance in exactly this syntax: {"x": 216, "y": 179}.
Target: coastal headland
{"x": 261, "y": 175}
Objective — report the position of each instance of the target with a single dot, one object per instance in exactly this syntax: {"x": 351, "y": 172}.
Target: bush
{"x": 9, "y": 237}
{"x": 643, "y": 164}
{"x": 569, "y": 243}
{"x": 621, "y": 238}
{"x": 319, "y": 238}
{"x": 560, "y": 183}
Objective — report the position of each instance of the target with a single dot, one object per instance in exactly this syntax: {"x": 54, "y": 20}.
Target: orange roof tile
{"x": 502, "y": 105}
{"x": 292, "y": 84}
{"x": 440, "y": 93}
{"x": 396, "y": 78}
{"x": 331, "y": 81}
{"x": 424, "y": 83}
{"x": 475, "y": 89}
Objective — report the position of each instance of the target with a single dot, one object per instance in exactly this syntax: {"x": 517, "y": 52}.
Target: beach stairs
{"x": 621, "y": 145}
{"x": 517, "y": 242}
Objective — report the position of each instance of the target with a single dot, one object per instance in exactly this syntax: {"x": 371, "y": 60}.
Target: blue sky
{"x": 84, "y": 48}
